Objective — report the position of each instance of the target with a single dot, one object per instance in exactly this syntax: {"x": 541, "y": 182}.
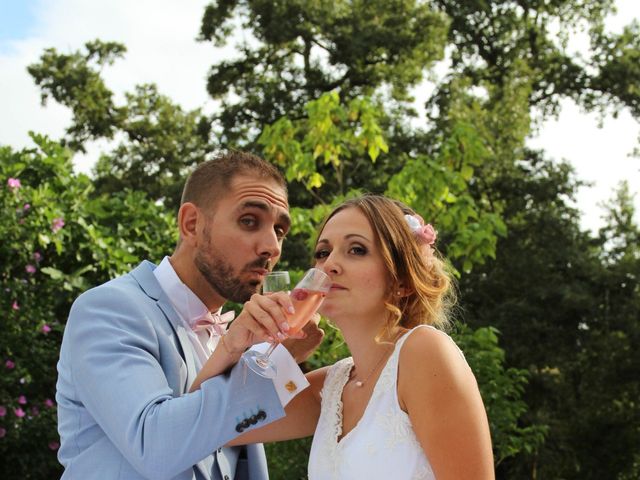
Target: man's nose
{"x": 270, "y": 246}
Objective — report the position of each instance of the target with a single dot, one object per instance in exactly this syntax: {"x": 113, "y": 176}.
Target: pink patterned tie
{"x": 215, "y": 324}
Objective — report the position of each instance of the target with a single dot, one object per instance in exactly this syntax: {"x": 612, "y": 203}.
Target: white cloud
{"x": 599, "y": 155}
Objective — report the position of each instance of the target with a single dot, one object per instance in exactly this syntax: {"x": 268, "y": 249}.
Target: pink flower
{"x": 57, "y": 224}
{"x": 30, "y": 269}
{"x": 49, "y": 403}
{"x": 19, "y": 412}
{"x": 46, "y": 328}
{"x": 15, "y": 305}
{"x": 13, "y": 183}
{"x": 425, "y": 234}
{"x": 54, "y": 446}
{"x": 9, "y": 364}
{"x": 22, "y": 400}
{"x": 3, "y": 410}
{"x": 26, "y": 207}
{"x": 37, "y": 256}
{"x": 3, "y": 432}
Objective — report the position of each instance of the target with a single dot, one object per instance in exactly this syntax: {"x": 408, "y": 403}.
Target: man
{"x": 132, "y": 347}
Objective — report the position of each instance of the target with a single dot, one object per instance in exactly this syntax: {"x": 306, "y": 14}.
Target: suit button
{"x": 245, "y": 423}
{"x": 261, "y": 415}
{"x": 226, "y": 477}
{"x": 253, "y": 419}
{"x": 219, "y": 450}
{"x": 239, "y": 428}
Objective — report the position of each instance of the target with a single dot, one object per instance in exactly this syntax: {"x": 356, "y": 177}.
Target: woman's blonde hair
{"x": 414, "y": 268}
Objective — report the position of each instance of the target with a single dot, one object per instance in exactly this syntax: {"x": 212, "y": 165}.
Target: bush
{"x": 58, "y": 239}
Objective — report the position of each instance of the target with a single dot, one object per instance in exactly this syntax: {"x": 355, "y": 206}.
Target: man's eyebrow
{"x": 254, "y": 204}
{"x": 266, "y": 207}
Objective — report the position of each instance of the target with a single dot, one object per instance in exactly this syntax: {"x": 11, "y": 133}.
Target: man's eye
{"x": 280, "y": 233}
{"x": 248, "y": 221}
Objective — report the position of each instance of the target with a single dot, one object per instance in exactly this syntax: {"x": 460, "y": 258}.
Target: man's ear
{"x": 188, "y": 222}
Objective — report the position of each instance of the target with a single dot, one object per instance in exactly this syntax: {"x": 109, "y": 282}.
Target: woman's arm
{"x": 219, "y": 362}
{"x": 438, "y": 390}
{"x": 301, "y": 417}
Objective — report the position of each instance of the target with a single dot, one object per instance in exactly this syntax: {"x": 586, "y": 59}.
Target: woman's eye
{"x": 320, "y": 254}
{"x": 358, "y": 250}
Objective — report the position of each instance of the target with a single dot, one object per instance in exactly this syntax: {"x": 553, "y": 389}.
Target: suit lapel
{"x": 187, "y": 349}
{"x": 143, "y": 274}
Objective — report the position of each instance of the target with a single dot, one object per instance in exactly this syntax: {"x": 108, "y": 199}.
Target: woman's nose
{"x": 331, "y": 264}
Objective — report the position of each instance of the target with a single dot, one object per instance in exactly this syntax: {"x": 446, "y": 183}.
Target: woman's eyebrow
{"x": 346, "y": 237}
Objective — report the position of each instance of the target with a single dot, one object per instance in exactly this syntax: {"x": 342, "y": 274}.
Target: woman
{"x": 406, "y": 404}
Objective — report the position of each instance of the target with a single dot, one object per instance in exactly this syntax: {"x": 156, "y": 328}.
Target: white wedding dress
{"x": 381, "y": 446}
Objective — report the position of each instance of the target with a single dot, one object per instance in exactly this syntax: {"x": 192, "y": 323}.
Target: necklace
{"x": 360, "y": 383}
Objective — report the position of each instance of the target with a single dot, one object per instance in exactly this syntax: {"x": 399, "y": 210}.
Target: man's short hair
{"x": 208, "y": 182}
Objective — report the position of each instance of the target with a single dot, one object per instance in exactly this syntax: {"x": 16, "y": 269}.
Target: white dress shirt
{"x": 289, "y": 380}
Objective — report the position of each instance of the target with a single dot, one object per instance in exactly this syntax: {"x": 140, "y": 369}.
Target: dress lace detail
{"x": 382, "y": 445}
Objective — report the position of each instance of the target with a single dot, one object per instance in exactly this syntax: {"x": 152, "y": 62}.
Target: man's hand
{"x": 302, "y": 345}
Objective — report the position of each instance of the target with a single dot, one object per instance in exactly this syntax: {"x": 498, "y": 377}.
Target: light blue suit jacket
{"x": 125, "y": 367}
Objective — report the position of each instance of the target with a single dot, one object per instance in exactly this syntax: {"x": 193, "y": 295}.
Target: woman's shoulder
{"x": 426, "y": 340}
{"x": 434, "y": 352}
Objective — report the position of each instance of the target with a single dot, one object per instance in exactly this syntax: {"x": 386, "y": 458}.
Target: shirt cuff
{"x": 289, "y": 380}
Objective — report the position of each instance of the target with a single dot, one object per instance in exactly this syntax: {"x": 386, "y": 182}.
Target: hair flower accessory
{"x": 426, "y": 234}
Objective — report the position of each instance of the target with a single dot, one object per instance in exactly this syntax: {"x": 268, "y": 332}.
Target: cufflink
{"x": 291, "y": 386}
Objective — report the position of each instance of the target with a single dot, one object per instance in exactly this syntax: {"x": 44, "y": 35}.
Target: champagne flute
{"x": 306, "y": 297}
{"x": 277, "y": 281}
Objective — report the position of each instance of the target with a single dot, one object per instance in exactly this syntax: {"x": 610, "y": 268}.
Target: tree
{"x": 554, "y": 294}
{"x": 159, "y": 142}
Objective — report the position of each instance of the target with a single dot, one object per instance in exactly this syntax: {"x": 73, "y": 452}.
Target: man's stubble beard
{"x": 220, "y": 276}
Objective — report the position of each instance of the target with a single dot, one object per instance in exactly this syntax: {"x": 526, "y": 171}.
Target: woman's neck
{"x": 366, "y": 349}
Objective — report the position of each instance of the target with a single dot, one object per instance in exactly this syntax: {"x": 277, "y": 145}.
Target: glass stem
{"x": 272, "y": 347}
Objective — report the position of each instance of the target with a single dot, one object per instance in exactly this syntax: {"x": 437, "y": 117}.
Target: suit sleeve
{"x": 114, "y": 357}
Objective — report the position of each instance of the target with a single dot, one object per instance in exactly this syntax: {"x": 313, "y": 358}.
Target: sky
{"x": 160, "y": 36}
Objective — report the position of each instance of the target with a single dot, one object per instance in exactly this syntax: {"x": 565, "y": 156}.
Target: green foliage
{"x": 567, "y": 309}
{"x": 58, "y": 240}
{"x": 74, "y": 80}
{"x": 501, "y": 390}
{"x": 306, "y": 48}
{"x": 330, "y": 135}
{"x": 159, "y": 142}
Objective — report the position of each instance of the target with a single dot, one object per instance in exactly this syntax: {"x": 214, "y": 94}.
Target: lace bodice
{"x": 381, "y": 446}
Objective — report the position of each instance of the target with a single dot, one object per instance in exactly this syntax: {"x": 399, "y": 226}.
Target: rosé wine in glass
{"x": 306, "y": 302}
{"x": 306, "y": 297}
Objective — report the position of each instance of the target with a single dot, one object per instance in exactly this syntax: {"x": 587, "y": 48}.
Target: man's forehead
{"x": 247, "y": 189}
